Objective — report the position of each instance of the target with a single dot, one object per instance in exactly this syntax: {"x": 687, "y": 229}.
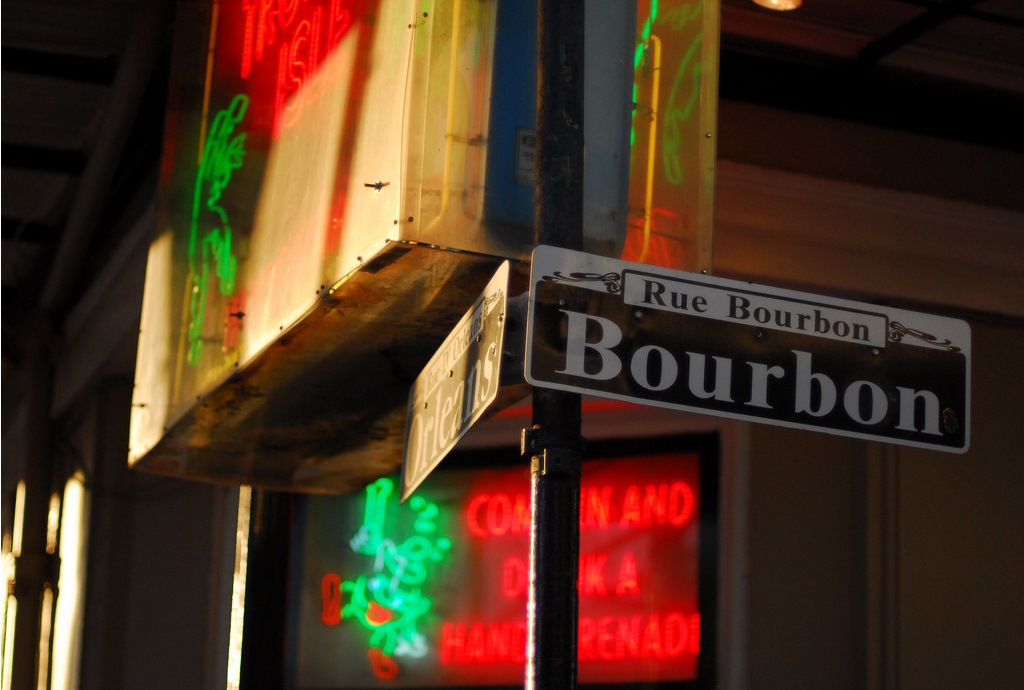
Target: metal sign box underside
{"x": 323, "y": 409}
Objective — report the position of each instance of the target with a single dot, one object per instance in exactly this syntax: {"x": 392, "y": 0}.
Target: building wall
{"x": 157, "y": 589}
{"x": 869, "y": 565}
{"x": 888, "y": 567}
{"x": 959, "y": 619}
{"x": 806, "y": 552}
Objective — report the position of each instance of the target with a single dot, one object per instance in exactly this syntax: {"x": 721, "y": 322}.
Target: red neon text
{"x": 593, "y": 576}
{"x": 264, "y": 19}
{"x": 615, "y": 638}
{"x": 498, "y": 514}
{"x": 666, "y": 504}
{"x": 301, "y": 37}
{"x": 483, "y": 643}
{"x": 608, "y": 638}
{"x": 660, "y": 504}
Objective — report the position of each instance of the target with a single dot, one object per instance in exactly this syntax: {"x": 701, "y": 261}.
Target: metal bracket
{"x": 556, "y": 461}
{"x": 550, "y": 454}
{"x": 513, "y": 354}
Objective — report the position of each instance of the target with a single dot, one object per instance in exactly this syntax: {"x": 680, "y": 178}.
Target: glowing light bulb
{"x": 779, "y": 5}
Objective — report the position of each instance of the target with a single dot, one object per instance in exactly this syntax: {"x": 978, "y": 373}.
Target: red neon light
{"x": 638, "y": 580}
{"x": 658, "y": 505}
{"x": 340, "y": 20}
{"x": 628, "y": 582}
{"x": 617, "y": 638}
{"x": 330, "y": 591}
{"x": 664, "y": 504}
{"x": 297, "y": 36}
{"x": 377, "y": 615}
{"x": 607, "y": 638}
{"x": 639, "y": 618}
{"x": 263, "y": 18}
{"x": 384, "y": 667}
{"x": 595, "y": 506}
{"x": 298, "y": 60}
{"x": 594, "y": 580}
{"x": 515, "y": 577}
{"x": 483, "y": 643}
{"x": 495, "y": 515}
{"x": 591, "y": 579}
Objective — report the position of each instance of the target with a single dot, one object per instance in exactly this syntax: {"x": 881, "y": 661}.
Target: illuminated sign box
{"x": 340, "y": 179}
{"x": 432, "y": 592}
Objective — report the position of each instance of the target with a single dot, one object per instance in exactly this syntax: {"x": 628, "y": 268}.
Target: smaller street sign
{"x": 691, "y": 342}
{"x": 457, "y": 385}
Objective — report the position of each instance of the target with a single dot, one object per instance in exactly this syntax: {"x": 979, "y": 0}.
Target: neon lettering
{"x": 639, "y": 637}
{"x": 515, "y": 577}
{"x": 650, "y": 640}
{"x": 606, "y": 642}
{"x": 591, "y": 579}
{"x": 483, "y": 643}
{"x": 680, "y": 503}
{"x": 297, "y": 35}
{"x": 661, "y": 504}
{"x": 670, "y": 503}
{"x": 595, "y": 507}
{"x": 631, "y": 508}
{"x": 655, "y": 504}
{"x": 628, "y": 581}
{"x": 498, "y": 515}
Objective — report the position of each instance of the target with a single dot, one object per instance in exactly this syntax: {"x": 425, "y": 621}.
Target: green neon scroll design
{"x": 682, "y": 100}
{"x": 390, "y": 602}
{"x": 684, "y": 94}
{"x": 210, "y": 239}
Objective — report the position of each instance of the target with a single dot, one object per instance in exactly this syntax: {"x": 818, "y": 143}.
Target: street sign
{"x": 457, "y": 385}
{"x": 690, "y": 342}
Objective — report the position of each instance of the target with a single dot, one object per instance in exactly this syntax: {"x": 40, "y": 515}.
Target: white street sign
{"x": 457, "y": 385}
{"x": 692, "y": 342}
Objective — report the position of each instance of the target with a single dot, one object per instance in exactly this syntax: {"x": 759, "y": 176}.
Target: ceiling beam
{"x": 80, "y": 68}
{"x": 30, "y": 231}
{"x": 937, "y": 14}
{"x": 42, "y": 159}
{"x": 876, "y": 96}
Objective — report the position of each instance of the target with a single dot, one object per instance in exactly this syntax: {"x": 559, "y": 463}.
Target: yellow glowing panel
{"x": 672, "y": 163}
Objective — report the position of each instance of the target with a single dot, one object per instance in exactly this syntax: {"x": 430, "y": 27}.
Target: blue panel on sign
{"x": 509, "y": 185}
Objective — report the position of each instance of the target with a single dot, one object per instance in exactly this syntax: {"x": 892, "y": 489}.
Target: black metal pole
{"x": 555, "y": 444}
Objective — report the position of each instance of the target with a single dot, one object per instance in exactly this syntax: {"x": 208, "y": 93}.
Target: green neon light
{"x": 675, "y": 115}
{"x": 638, "y": 60}
{"x": 209, "y": 242}
{"x": 390, "y": 602}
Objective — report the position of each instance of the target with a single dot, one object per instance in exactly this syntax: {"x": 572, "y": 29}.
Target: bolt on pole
{"x": 555, "y": 443}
